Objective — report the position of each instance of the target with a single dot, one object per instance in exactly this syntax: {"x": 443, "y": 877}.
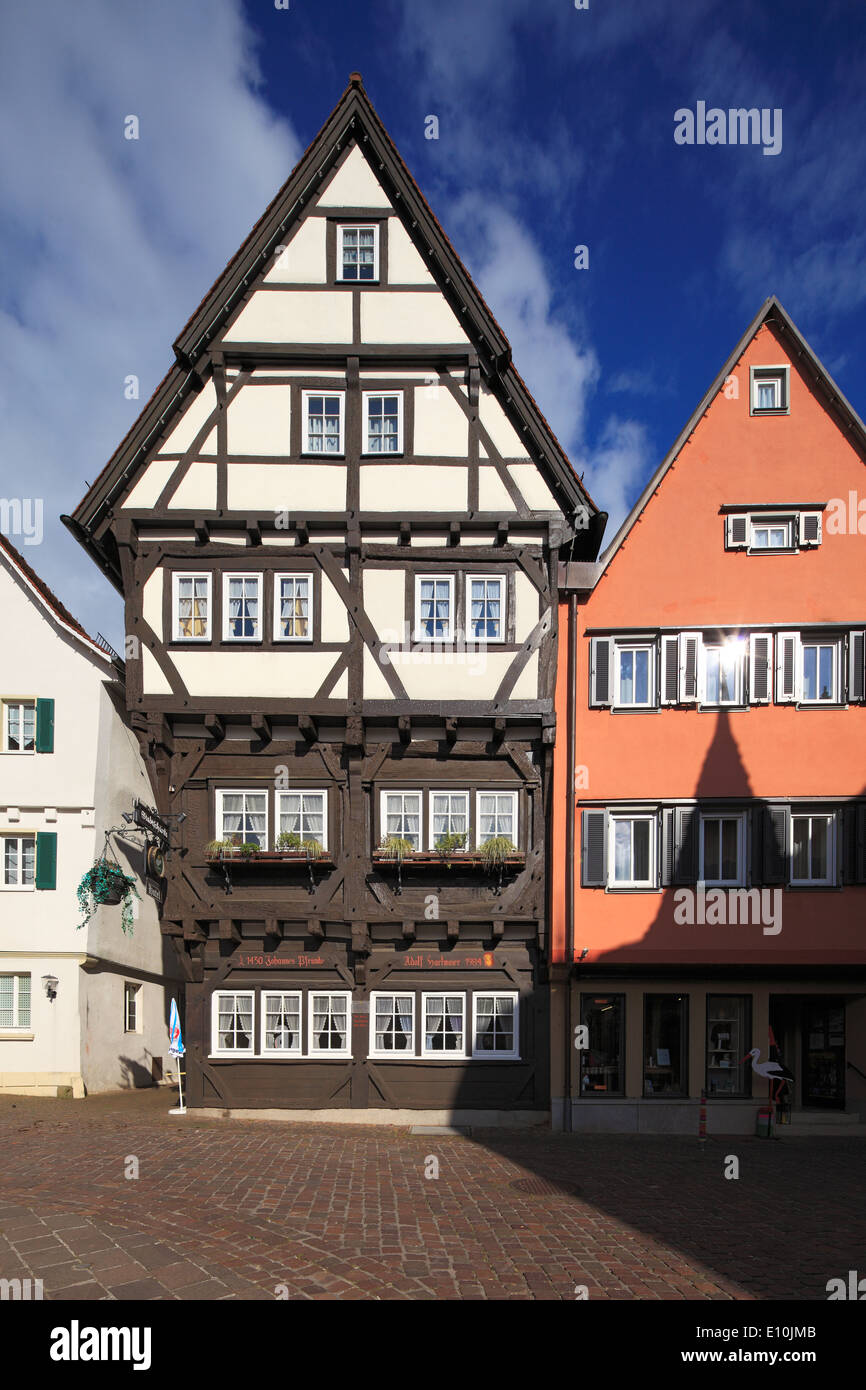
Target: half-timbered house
{"x": 337, "y": 526}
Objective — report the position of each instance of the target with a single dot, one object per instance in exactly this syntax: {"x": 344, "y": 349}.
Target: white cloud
{"x": 107, "y": 245}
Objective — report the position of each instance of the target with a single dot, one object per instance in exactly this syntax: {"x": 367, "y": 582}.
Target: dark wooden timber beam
{"x": 261, "y": 727}
{"x": 308, "y": 728}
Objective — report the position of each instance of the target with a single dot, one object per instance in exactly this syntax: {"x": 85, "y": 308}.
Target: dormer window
{"x": 358, "y": 258}
{"x": 763, "y": 532}
{"x": 769, "y": 390}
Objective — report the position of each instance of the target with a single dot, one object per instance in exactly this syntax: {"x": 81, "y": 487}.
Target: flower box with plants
{"x": 289, "y": 847}
{"x": 496, "y": 853}
{"x": 106, "y": 885}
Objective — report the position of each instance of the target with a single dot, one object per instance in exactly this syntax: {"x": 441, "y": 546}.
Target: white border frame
{"x": 137, "y": 987}
{"x": 365, "y": 425}
{"x": 447, "y": 791}
{"x": 497, "y": 791}
{"x": 177, "y": 575}
{"x": 646, "y": 885}
{"x": 342, "y": 228}
{"x": 240, "y": 791}
{"x": 745, "y": 653}
{"x": 19, "y": 835}
{"x": 514, "y": 1054}
{"x": 759, "y": 521}
{"x": 306, "y": 451}
{"x": 329, "y": 1054}
{"x": 215, "y": 1049}
{"x": 451, "y": 581}
{"x": 502, "y": 580}
{"x": 408, "y": 1054}
{"x": 22, "y": 702}
{"x": 243, "y": 574}
{"x": 810, "y": 639}
{"x": 383, "y": 815}
{"x": 25, "y": 1029}
{"x": 292, "y": 574}
{"x": 762, "y": 372}
{"x": 435, "y": 1054}
{"x": 626, "y": 645}
{"x": 264, "y": 1050}
{"x": 301, "y": 791}
{"x": 740, "y": 880}
{"x": 832, "y": 832}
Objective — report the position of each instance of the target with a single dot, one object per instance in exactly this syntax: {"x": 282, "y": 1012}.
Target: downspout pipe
{"x": 571, "y": 746}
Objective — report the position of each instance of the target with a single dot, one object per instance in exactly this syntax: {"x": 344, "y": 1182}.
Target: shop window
{"x": 728, "y": 1040}
{"x": 665, "y": 1041}
{"x": 602, "y": 1061}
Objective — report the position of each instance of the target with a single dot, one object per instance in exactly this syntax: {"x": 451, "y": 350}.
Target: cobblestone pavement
{"x": 257, "y": 1209}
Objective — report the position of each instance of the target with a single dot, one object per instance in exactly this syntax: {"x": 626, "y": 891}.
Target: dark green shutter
{"x": 45, "y": 727}
{"x": 593, "y": 849}
{"x": 46, "y": 860}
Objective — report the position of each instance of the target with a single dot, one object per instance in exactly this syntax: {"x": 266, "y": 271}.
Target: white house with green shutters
{"x": 80, "y": 1010}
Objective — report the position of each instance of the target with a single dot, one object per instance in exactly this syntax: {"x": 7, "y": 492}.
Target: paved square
{"x": 263, "y": 1209}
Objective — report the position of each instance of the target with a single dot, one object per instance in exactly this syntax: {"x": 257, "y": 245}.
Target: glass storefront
{"x": 602, "y": 1061}
{"x": 664, "y": 1046}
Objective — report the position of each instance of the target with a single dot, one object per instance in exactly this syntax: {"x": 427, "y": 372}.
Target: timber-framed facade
{"x": 337, "y": 527}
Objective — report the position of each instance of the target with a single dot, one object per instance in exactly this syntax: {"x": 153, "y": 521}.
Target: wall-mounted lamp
{"x": 584, "y": 953}
{"x": 49, "y": 984}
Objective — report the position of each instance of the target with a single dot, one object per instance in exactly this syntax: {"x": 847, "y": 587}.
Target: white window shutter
{"x": 856, "y": 671}
{"x": 810, "y": 529}
{"x": 760, "y": 659}
{"x": 670, "y": 672}
{"x": 737, "y": 531}
{"x": 689, "y": 667}
{"x": 787, "y": 666}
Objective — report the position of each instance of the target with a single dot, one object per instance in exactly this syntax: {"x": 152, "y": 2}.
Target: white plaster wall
{"x": 535, "y": 490}
{"x": 291, "y": 487}
{"x": 303, "y": 259}
{"x": 526, "y": 685}
{"x": 442, "y": 675}
{"x": 294, "y": 316}
{"x": 252, "y": 672}
{"x": 259, "y": 420}
{"x": 492, "y": 492}
{"x": 385, "y": 601}
{"x": 354, "y": 185}
{"x": 526, "y": 606}
{"x": 441, "y": 428}
{"x": 405, "y": 266}
{"x": 408, "y": 318}
{"x": 375, "y": 685}
{"x": 151, "y": 601}
{"x": 197, "y": 489}
{"x": 502, "y": 433}
{"x": 335, "y": 619}
{"x": 150, "y": 484}
{"x": 194, "y": 416}
{"x": 421, "y": 487}
{"x": 153, "y": 680}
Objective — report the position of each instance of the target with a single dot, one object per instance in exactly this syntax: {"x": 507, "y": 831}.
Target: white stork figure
{"x": 775, "y": 1072}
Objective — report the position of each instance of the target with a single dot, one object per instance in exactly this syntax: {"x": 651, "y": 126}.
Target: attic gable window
{"x": 769, "y": 393}
{"x": 771, "y": 535}
{"x": 359, "y": 254}
{"x": 324, "y": 422}
{"x": 763, "y": 532}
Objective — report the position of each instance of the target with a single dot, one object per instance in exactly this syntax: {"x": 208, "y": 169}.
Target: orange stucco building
{"x": 709, "y": 822}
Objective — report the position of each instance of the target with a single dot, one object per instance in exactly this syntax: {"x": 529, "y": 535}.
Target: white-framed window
{"x": 444, "y": 1032}
{"x": 242, "y": 817}
{"x": 330, "y": 1022}
{"x": 191, "y": 607}
{"x": 401, "y": 816}
{"x": 281, "y": 1022}
{"x": 634, "y": 675}
{"x": 722, "y": 850}
{"x": 769, "y": 390}
{"x": 771, "y": 533}
{"x": 293, "y": 607}
{"x": 19, "y": 726}
{"x": 495, "y": 1025}
{"x": 495, "y": 814}
{"x": 722, "y": 667}
{"x": 486, "y": 607}
{"x": 358, "y": 254}
{"x": 392, "y": 1024}
{"x": 632, "y": 851}
{"x": 813, "y": 849}
{"x": 232, "y": 1022}
{"x": 19, "y": 861}
{"x": 449, "y": 815}
{"x": 383, "y": 422}
{"x": 819, "y": 670}
{"x": 304, "y": 813}
{"x": 242, "y": 607}
{"x": 324, "y": 422}
{"x": 131, "y": 1017}
{"x": 434, "y": 607}
{"x": 14, "y": 1001}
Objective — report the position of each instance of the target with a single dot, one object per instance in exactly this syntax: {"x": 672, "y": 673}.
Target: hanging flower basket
{"x": 106, "y": 885}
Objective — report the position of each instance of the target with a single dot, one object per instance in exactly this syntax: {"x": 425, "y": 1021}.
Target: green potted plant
{"x": 496, "y": 850}
{"x": 288, "y": 840}
{"x": 215, "y": 849}
{"x": 446, "y": 845}
{"x": 313, "y": 847}
{"x": 249, "y": 849}
{"x": 106, "y": 885}
{"x": 395, "y": 847}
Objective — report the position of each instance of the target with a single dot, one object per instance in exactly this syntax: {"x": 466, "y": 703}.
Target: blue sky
{"x": 556, "y": 128}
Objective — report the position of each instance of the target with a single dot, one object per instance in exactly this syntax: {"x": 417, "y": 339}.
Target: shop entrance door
{"x": 823, "y": 1054}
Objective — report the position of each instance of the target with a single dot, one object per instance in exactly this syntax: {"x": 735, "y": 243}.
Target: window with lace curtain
{"x": 494, "y": 1025}
{"x": 233, "y": 1022}
{"x": 444, "y": 1025}
{"x": 242, "y": 607}
{"x": 302, "y": 813}
{"x": 330, "y": 1018}
{"x": 401, "y": 816}
{"x": 242, "y": 817}
{"x": 192, "y": 607}
{"x": 282, "y": 1022}
{"x": 293, "y": 614}
{"x": 392, "y": 1024}
{"x": 449, "y": 815}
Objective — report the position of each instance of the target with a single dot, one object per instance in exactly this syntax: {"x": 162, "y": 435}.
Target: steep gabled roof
{"x": 771, "y": 313}
{"x": 353, "y": 118}
{"x": 47, "y": 599}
